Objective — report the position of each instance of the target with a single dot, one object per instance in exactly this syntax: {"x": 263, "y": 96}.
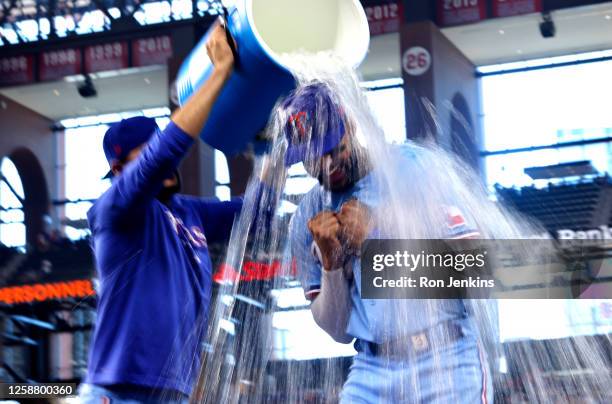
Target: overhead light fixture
{"x": 608, "y": 17}
{"x": 502, "y": 32}
{"x": 547, "y": 26}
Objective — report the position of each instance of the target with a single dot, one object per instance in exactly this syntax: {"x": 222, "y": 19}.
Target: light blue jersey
{"x": 370, "y": 320}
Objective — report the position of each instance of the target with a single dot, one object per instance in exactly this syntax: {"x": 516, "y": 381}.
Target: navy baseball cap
{"x": 315, "y": 122}
{"x": 126, "y": 135}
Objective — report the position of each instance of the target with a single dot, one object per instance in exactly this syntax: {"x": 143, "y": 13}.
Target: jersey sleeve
{"x": 308, "y": 267}
{"x": 142, "y": 179}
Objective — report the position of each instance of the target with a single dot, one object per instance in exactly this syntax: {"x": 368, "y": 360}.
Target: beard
{"x": 168, "y": 191}
{"x": 351, "y": 169}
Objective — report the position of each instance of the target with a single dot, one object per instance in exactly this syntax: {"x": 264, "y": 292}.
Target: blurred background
{"x": 521, "y": 90}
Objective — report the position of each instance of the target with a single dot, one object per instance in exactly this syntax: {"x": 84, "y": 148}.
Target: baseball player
{"x": 151, "y": 252}
{"x": 432, "y": 354}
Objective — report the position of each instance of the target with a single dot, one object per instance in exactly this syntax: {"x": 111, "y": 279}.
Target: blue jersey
{"x": 155, "y": 272}
{"x": 370, "y": 319}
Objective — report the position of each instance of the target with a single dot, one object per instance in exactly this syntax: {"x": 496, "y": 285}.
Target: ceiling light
{"x": 502, "y": 32}
{"x": 608, "y": 17}
{"x": 56, "y": 92}
{"x": 519, "y": 51}
{"x": 146, "y": 80}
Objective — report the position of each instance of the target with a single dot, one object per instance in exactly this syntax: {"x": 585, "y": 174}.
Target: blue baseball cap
{"x": 314, "y": 125}
{"x": 126, "y": 135}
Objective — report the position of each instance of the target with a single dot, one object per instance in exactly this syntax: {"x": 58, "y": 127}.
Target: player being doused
{"x": 415, "y": 351}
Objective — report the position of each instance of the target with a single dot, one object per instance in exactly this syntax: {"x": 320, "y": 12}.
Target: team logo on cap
{"x": 298, "y": 120}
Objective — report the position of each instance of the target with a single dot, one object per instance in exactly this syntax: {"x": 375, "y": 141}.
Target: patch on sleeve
{"x": 457, "y": 225}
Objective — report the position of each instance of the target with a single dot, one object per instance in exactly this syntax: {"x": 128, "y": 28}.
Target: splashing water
{"x": 410, "y": 187}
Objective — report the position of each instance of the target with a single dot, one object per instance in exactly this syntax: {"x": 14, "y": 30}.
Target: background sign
{"x": 507, "y": 8}
{"x": 416, "y": 61}
{"x": 385, "y": 17}
{"x": 151, "y": 51}
{"x": 16, "y": 70}
{"x": 59, "y": 63}
{"x": 56, "y": 64}
{"x": 41, "y": 292}
{"x": 110, "y": 56}
{"x": 455, "y": 12}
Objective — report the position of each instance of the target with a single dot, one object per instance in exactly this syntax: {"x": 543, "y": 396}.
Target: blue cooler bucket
{"x": 263, "y": 30}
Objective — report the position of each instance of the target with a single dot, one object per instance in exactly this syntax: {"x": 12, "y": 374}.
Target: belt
{"x": 413, "y": 344}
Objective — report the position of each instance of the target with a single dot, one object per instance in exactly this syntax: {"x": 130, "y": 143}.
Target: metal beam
{"x": 95, "y": 38}
{"x": 551, "y": 5}
{"x": 104, "y": 10}
{"x": 8, "y": 184}
{"x": 18, "y": 378}
{"x": 12, "y": 339}
{"x": 34, "y": 322}
{"x": 487, "y": 153}
{"x": 542, "y": 67}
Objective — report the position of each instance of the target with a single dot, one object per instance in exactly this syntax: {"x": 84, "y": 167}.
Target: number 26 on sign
{"x": 416, "y": 61}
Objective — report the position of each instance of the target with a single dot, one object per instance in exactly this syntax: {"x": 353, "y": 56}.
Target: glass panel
{"x": 550, "y": 319}
{"x": 9, "y": 171}
{"x": 85, "y": 166}
{"x": 547, "y": 106}
{"x": 12, "y": 229}
{"x": 298, "y": 337}
{"x": 13, "y": 235}
{"x": 507, "y": 169}
{"x": 86, "y": 163}
{"x": 222, "y": 175}
{"x": 388, "y": 108}
{"x": 223, "y": 192}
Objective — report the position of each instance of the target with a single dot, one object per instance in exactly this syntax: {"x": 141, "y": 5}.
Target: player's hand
{"x": 325, "y": 228}
{"x": 355, "y": 224}
{"x": 219, "y": 51}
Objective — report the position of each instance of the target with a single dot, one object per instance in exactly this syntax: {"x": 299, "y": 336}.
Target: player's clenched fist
{"x": 325, "y": 228}
{"x": 355, "y": 224}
